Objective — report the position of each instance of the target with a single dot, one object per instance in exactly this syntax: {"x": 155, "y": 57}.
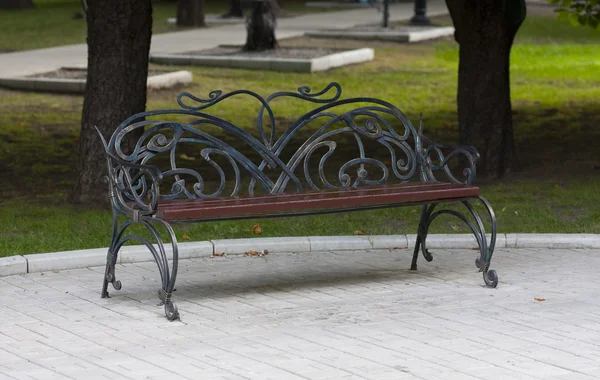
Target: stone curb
{"x": 277, "y": 64}
{"x": 57, "y": 261}
{"x": 76, "y": 86}
{"x": 399, "y": 36}
{"x": 213, "y": 19}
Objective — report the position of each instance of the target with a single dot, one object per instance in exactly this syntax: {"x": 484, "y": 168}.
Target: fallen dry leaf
{"x": 256, "y": 229}
{"x": 359, "y": 232}
{"x": 222, "y": 254}
{"x": 185, "y": 237}
{"x": 184, "y": 156}
{"x": 255, "y": 253}
{"x": 539, "y": 299}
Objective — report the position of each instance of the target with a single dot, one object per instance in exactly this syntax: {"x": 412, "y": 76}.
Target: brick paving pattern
{"x": 333, "y": 315}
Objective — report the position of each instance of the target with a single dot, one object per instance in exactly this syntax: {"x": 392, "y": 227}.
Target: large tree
{"x": 16, "y": 4}
{"x": 118, "y": 41}
{"x": 235, "y": 9}
{"x": 485, "y": 31}
{"x": 261, "y": 25}
{"x": 190, "y": 13}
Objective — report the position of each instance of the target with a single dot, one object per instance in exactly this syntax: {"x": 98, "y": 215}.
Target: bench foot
{"x": 109, "y": 277}
{"x": 490, "y": 276}
{"x": 170, "y": 308}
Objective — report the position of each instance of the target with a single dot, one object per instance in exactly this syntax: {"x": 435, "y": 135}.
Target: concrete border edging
{"x": 397, "y": 36}
{"x": 325, "y": 62}
{"x": 77, "y": 86}
{"x": 56, "y": 261}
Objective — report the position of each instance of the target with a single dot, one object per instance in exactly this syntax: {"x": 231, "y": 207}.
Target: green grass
{"x": 528, "y": 206}
{"x": 555, "y": 92}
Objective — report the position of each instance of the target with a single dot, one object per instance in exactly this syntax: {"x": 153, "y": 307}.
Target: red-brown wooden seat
{"x": 378, "y": 196}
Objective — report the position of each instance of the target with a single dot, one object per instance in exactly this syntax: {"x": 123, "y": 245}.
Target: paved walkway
{"x": 335, "y": 315}
{"x": 35, "y": 61}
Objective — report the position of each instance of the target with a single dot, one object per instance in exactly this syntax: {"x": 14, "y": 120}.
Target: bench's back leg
{"x": 475, "y": 224}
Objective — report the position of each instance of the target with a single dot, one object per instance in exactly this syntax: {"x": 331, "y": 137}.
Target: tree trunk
{"x": 386, "y": 13}
{"x": 485, "y": 35}
{"x": 235, "y": 9}
{"x": 190, "y": 13}
{"x": 16, "y": 4}
{"x": 118, "y": 40}
{"x": 261, "y": 26}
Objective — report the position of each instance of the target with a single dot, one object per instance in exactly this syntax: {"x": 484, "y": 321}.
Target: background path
{"x": 36, "y": 61}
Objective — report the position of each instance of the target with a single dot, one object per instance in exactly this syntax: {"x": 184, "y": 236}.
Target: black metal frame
{"x": 135, "y": 184}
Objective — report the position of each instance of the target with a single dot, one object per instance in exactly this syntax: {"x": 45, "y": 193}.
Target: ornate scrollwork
{"x": 280, "y": 160}
{"x": 435, "y": 160}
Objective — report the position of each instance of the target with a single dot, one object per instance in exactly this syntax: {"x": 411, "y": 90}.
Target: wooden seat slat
{"x": 324, "y": 200}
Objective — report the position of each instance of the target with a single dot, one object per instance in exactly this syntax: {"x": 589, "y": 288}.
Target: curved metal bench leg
{"x": 486, "y": 249}
{"x": 168, "y": 273}
{"x": 420, "y": 243}
{"x": 111, "y": 257}
{"x": 490, "y": 277}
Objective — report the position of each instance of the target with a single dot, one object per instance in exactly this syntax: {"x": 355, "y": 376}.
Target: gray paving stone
{"x": 273, "y": 245}
{"x": 347, "y": 314}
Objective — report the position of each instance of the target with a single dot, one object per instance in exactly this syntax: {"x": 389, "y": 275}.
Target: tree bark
{"x": 16, "y": 4}
{"x": 386, "y": 13}
{"x": 235, "y": 9}
{"x": 118, "y": 40}
{"x": 260, "y": 26}
{"x": 190, "y": 13}
{"x": 485, "y": 36}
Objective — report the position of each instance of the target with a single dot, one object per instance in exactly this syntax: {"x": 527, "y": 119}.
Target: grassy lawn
{"x": 53, "y": 22}
{"x": 555, "y": 89}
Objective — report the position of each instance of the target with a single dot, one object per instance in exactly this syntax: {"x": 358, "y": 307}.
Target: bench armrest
{"x": 134, "y": 188}
{"x": 437, "y": 157}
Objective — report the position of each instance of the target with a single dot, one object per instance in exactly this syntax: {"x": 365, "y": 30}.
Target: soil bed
{"x": 296, "y": 52}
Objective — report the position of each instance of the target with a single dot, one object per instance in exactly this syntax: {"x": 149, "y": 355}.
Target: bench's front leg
{"x": 111, "y": 257}
{"x": 420, "y": 243}
{"x": 168, "y": 274}
{"x": 483, "y": 262}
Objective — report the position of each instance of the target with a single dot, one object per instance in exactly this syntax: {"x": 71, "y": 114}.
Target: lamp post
{"x": 420, "y": 17}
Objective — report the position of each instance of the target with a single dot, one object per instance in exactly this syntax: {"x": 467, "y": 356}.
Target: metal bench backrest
{"x": 386, "y": 147}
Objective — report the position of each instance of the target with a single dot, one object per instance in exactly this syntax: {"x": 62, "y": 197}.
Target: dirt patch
{"x": 283, "y": 52}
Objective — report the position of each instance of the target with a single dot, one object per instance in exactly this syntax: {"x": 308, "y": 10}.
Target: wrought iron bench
{"x": 367, "y": 155}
